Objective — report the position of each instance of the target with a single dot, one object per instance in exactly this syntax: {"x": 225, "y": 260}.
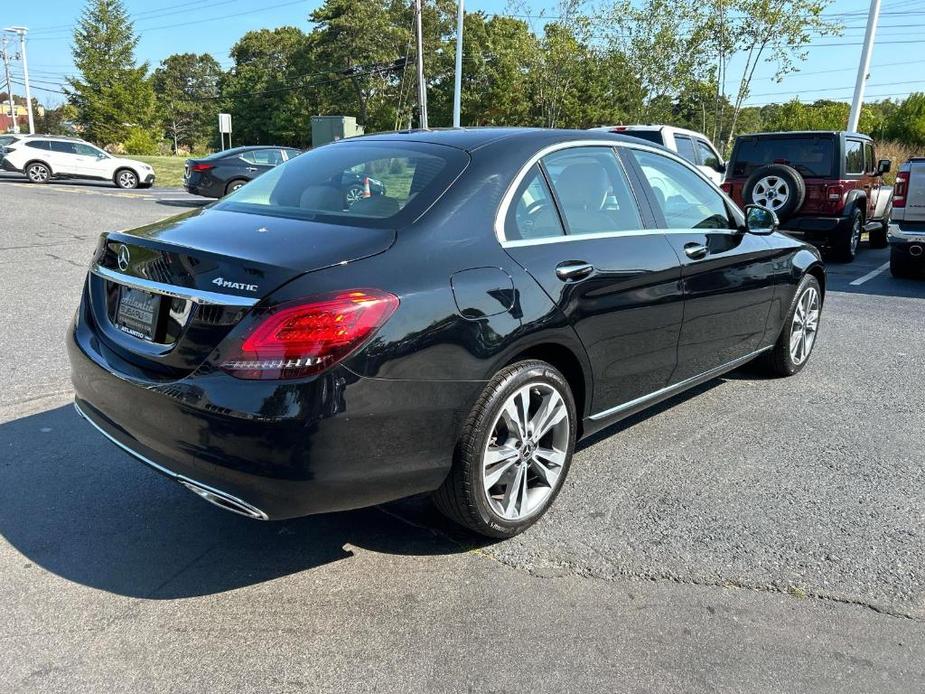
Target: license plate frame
{"x": 138, "y": 312}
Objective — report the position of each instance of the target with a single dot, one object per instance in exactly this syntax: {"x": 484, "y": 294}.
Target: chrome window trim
{"x": 680, "y": 386}
{"x": 508, "y": 196}
{"x": 196, "y": 296}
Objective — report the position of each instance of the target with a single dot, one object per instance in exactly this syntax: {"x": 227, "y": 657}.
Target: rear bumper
{"x": 6, "y": 165}
{"x": 908, "y": 240}
{"x": 286, "y": 449}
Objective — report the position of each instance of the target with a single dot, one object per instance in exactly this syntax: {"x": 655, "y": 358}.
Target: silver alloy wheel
{"x": 127, "y": 179}
{"x": 771, "y": 192}
{"x": 804, "y": 326}
{"x": 38, "y": 173}
{"x": 523, "y": 459}
{"x": 235, "y": 186}
{"x": 354, "y": 194}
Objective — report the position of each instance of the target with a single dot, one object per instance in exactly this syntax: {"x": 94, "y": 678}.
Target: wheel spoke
{"x": 547, "y": 463}
{"x": 498, "y": 460}
{"x": 512, "y": 493}
{"x": 551, "y": 412}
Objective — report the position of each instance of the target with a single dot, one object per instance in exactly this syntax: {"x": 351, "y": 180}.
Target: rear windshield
{"x": 810, "y": 155}
{"x": 378, "y": 184}
{"x": 650, "y": 135}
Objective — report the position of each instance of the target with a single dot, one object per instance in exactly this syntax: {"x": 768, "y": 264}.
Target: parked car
{"x": 45, "y": 157}
{"x": 826, "y": 187}
{"x": 693, "y": 146}
{"x": 224, "y": 172}
{"x": 907, "y": 234}
{"x": 280, "y": 355}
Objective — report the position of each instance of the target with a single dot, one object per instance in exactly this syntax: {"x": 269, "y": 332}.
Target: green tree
{"x": 110, "y": 94}
{"x": 186, "y": 86}
{"x": 907, "y": 121}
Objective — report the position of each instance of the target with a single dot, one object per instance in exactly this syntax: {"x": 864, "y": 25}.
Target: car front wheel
{"x": 127, "y": 180}
{"x": 798, "y": 336}
{"x": 514, "y": 452}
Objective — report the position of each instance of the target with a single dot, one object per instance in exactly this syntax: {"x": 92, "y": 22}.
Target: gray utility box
{"x": 327, "y": 129}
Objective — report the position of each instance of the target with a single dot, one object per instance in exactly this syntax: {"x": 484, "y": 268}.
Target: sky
{"x": 173, "y": 26}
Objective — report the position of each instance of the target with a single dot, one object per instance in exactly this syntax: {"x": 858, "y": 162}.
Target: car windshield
{"x": 375, "y": 184}
{"x": 810, "y": 155}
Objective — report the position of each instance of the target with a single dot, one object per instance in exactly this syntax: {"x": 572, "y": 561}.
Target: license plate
{"x": 137, "y": 313}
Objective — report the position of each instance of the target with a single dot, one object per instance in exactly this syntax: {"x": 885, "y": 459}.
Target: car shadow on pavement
{"x": 75, "y": 505}
{"x": 185, "y": 203}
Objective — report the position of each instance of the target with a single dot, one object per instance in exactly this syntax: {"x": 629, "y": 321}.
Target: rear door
{"x": 64, "y": 159}
{"x": 574, "y": 224}
{"x": 727, "y": 274}
{"x": 259, "y": 161}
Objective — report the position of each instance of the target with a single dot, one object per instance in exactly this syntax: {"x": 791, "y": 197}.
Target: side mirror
{"x": 760, "y": 220}
{"x": 721, "y": 167}
{"x": 884, "y": 166}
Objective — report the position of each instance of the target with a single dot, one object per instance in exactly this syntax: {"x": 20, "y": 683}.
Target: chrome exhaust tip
{"x": 223, "y": 501}
{"x": 915, "y": 251}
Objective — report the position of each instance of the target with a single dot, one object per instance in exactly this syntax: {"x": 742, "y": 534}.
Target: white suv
{"x": 693, "y": 146}
{"x": 43, "y": 157}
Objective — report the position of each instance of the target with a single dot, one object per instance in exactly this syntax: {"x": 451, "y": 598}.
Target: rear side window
{"x": 592, "y": 190}
{"x": 357, "y": 183}
{"x": 63, "y": 147}
{"x": 810, "y": 155}
{"x": 854, "y": 157}
{"x": 685, "y": 148}
{"x": 684, "y": 198}
{"x": 533, "y": 213}
{"x": 38, "y": 144}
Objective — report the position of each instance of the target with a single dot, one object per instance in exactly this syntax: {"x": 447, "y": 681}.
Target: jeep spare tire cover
{"x": 778, "y": 187}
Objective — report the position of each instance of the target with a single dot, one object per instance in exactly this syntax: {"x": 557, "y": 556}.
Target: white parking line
{"x": 870, "y": 275}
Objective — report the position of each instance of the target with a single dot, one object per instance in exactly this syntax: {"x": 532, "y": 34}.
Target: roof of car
{"x": 782, "y": 133}
{"x": 471, "y": 139}
{"x": 652, "y": 127}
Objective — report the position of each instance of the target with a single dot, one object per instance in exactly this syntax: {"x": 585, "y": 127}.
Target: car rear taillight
{"x": 834, "y": 193}
{"x": 296, "y": 340}
{"x": 618, "y": 129}
{"x": 726, "y": 187}
{"x": 202, "y": 167}
{"x": 900, "y": 187}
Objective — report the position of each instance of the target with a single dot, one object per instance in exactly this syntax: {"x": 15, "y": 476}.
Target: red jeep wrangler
{"x": 826, "y": 187}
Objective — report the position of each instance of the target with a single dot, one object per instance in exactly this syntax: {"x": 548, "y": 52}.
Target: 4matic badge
{"x": 222, "y": 282}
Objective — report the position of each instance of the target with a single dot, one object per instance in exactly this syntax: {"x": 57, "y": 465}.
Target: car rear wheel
{"x": 234, "y": 185}
{"x": 877, "y": 237}
{"x": 38, "y": 173}
{"x": 353, "y": 194}
{"x": 849, "y": 239}
{"x": 126, "y": 179}
{"x": 798, "y": 336}
{"x": 514, "y": 452}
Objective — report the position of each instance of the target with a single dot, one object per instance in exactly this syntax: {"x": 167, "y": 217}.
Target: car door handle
{"x": 573, "y": 270}
{"x": 250, "y": 168}
{"x": 695, "y": 251}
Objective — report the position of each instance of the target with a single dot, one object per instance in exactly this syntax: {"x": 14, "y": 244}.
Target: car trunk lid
{"x": 165, "y": 295}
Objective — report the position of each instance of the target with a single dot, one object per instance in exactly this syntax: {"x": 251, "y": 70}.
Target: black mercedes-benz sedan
{"x": 284, "y": 352}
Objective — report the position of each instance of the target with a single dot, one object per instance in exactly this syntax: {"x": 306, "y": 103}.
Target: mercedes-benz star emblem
{"x": 124, "y": 258}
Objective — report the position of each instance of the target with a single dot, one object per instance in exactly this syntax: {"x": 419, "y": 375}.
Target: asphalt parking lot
{"x": 754, "y": 535}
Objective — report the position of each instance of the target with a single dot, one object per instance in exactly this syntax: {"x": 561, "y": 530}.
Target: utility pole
{"x": 872, "y": 17}
{"x": 25, "y": 71}
{"x": 422, "y": 87}
{"x": 5, "y": 56}
{"x": 457, "y": 90}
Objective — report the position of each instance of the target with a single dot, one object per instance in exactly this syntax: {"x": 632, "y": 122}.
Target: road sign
{"x": 224, "y": 123}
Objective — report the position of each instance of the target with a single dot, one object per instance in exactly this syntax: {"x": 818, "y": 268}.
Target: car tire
{"x": 776, "y": 183}
{"x": 126, "y": 179}
{"x": 499, "y": 502}
{"x": 848, "y": 239}
{"x": 877, "y": 237}
{"x": 782, "y": 360}
{"x": 234, "y": 185}
{"x": 352, "y": 194}
{"x": 901, "y": 266}
{"x": 37, "y": 172}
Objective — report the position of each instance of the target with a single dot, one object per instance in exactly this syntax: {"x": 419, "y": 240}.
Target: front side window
{"x": 264, "y": 157}
{"x": 533, "y": 213}
{"x": 87, "y": 150}
{"x": 684, "y": 198}
{"x": 593, "y": 191}
{"x": 854, "y": 157}
{"x": 357, "y": 183}
{"x": 685, "y": 148}
{"x": 707, "y": 156}
{"x": 871, "y": 165}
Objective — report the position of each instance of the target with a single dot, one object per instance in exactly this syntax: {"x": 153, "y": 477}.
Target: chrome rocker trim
{"x": 679, "y": 387}
{"x": 196, "y": 296}
{"x": 214, "y": 496}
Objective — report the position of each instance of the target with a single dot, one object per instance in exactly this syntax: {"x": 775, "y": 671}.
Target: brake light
{"x": 834, "y": 193}
{"x": 202, "y": 167}
{"x": 900, "y": 187}
{"x": 299, "y": 340}
{"x": 618, "y": 129}
{"x": 726, "y": 187}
